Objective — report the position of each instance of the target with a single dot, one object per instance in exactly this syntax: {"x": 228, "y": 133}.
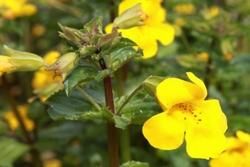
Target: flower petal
{"x": 172, "y": 91}
{"x": 163, "y": 32}
{"x": 164, "y": 131}
{"x": 205, "y": 132}
{"x": 149, "y": 48}
{"x": 5, "y": 65}
{"x": 198, "y": 82}
{"x": 108, "y": 28}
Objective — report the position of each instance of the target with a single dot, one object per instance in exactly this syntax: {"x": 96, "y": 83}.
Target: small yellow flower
{"x": 52, "y": 163}
{"x": 64, "y": 65}
{"x": 10, "y": 9}
{"x": 211, "y": 12}
{"x": 42, "y": 77}
{"x": 228, "y": 56}
{"x": 237, "y": 152}
{"x": 44, "y": 80}
{"x": 152, "y": 30}
{"x": 5, "y": 65}
{"x": 187, "y": 115}
{"x": 180, "y": 22}
{"x": 38, "y": 30}
{"x": 203, "y": 56}
{"x": 185, "y": 9}
{"x": 13, "y": 122}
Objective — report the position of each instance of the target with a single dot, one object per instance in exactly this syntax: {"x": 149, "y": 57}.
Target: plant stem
{"x": 16, "y": 111}
{"x": 113, "y": 147}
{"x": 125, "y": 144}
{"x": 124, "y": 135}
{"x": 30, "y": 140}
{"x": 89, "y": 98}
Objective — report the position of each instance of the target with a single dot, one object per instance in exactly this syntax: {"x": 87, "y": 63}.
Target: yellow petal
{"x": 172, "y": 91}
{"x": 142, "y": 38}
{"x": 51, "y": 57}
{"x": 162, "y": 32}
{"x": 205, "y": 132}
{"x": 5, "y": 65}
{"x": 243, "y": 136}
{"x": 149, "y": 48}
{"x": 108, "y": 28}
{"x": 11, "y": 119}
{"x": 164, "y": 131}
{"x": 198, "y": 82}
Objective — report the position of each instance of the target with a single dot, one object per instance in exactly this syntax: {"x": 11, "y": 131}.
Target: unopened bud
{"x": 19, "y": 61}
{"x": 64, "y": 65}
{"x": 151, "y": 83}
{"x": 132, "y": 17}
{"x": 87, "y": 50}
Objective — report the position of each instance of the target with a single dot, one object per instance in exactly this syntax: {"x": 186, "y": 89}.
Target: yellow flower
{"x": 52, "y": 163}
{"x": 10, "y": 9}
{"x": 203, "y": 56}
{"x": 178, "y": 23}
{"x": 237, "y": 152}
{"x": 185, "y": 9}
{"x": 44, "y": 80}
{"x": 38, "y": 30}
{"x": 42, "y": 77}
{"x": 211, "y": 12}
{"x": 228, "y": 56}
{"x": 13, "y": 122}
{"x": 154, "y": 28}
{"x": 5, "y": 65}
{"x": 187, "y": 115}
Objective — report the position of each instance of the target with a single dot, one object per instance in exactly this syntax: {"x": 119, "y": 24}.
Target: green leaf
{"x": 119, "y": 54}
{"x": 73, "y": 107}
{"x": 135, "y": 164}
{"x": 121, "y": 121}
{"x": 10, "y": 151}
{"x": 138, "y": 114}
{"x": 79, "y": 75}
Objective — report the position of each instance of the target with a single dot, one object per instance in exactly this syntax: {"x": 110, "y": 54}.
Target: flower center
{"x": 184, "y": 107}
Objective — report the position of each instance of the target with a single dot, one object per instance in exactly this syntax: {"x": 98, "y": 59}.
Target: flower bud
{"x": 151, "y": 83}
{"x": 19, "y": 61}
{"x": 133, "y": 16}
{"x": 64, "y": 65}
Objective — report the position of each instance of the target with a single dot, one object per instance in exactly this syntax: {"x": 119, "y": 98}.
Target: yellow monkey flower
{"x": 211, "y": 12}
{"x": 10, "y": 9}
{"x": 185, "y": 9}
{"x": 203, "y": 56}
{"x": 187, "y": 115}
{"x": 45, "y": 82}
{"x": 152, "y": 28}
{"x": 52, "y": 163}
{"x": 237, "y": 152}
{"x": 13, "y": 122}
